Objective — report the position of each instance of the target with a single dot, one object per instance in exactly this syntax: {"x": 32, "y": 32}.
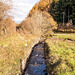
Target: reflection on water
{"x": 36, "y": 64}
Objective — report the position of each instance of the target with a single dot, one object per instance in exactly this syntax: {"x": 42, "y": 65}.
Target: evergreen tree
{"x": 66, "y": 6}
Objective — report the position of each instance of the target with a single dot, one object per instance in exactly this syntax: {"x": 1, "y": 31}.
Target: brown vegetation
{"x": 16, "y": 47}
{"x": 4, "y": 7}
{"x": 7, "y": 26}
{"x": 39, "y": 21}
{"x": 37, "y": 24}
{"x": 43, "y": 5}
{"x": 65, "y": 29}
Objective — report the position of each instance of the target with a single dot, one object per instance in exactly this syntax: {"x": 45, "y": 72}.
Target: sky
{"x": 21, "y": 9}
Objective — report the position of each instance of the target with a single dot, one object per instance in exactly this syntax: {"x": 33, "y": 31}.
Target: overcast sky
{"x": 22, "y": 8}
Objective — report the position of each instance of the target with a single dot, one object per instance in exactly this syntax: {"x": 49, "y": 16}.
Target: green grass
{"x": 63, "y": 51}
{"x": 65, "y": 36}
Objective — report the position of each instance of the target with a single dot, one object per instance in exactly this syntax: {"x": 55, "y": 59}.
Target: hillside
{"x": 44, "y": 6}
{"x": 39, "y": 19}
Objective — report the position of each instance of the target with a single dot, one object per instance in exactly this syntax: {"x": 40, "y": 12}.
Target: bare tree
{"x": 37, "y": 24}
{"x": 4, "y": 8}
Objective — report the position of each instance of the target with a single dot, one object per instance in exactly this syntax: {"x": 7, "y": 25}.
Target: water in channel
{"x": 36, "y": 64}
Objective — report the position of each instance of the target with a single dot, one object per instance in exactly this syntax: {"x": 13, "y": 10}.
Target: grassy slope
{"x": 12, "y": 49}
{"x": 61, "y": 54}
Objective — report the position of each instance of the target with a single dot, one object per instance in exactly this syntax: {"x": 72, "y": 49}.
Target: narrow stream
{"x": 36, "y": 64}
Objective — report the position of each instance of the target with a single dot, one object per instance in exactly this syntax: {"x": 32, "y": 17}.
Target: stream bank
{"x": 36, "y": 64}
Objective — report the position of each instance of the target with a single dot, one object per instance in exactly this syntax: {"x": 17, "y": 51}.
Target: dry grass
{"x": 12, "y": 50}
{"x": 65, "y": 29}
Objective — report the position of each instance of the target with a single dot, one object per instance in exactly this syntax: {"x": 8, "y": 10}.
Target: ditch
{"x": 36, "y": 64}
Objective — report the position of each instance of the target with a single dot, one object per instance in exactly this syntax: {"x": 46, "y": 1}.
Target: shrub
{"x": 42, "y": 19}
{"x": 5, "y": 22}
{"x": 7, "y": 26}
{"x": 37, "y": 24}
{"x": 52, "y": 22}
{"x": 4, "y": 7}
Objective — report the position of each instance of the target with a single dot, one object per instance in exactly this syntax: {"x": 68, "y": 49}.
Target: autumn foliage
{"x": 7, "y": 26}
{"x": 43, "y": 4}
{"x": 4, "y": 7}
{"x": 36, "y": 25}
{"x": 39, "y": 21}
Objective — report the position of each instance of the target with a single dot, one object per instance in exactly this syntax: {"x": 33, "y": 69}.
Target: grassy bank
{"x": 65, "y": 36}
{"x": 13, "y": 49}
{"x": 61, "y": 54}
